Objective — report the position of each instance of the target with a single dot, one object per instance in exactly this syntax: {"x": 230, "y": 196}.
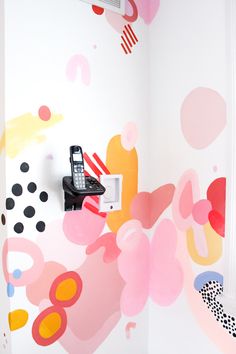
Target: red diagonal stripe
{"x": 94, "y": 210}
{"x": 94, "y": 198}
{"x": 101, "y": 164}
{"x": 126, "y": 44}
{"x": 125, "y": 50}
{"x": 131, "y": 29}
{"x": 130, "y": 34}
{"x": 92, "y": 165}
{"x": 127, "y": 38}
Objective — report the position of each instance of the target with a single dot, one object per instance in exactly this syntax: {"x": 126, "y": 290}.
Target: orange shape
{"x": 49, "y": 325}
{"x": 17, "y": 319}
{"x": 66, "y": 289}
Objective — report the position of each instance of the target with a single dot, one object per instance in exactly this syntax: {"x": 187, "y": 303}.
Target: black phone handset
{"x": 77, "y": 167}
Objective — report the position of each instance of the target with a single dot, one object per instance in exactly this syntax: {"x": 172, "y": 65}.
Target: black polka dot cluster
{"x": 29, "y": 210}
{"x": 209, "y": 292}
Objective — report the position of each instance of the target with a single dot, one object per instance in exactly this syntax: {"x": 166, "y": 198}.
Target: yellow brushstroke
{"x": 23, "y": 130}
{"x": 17, "y": 319}
{"x": 214, "y": 246}
{"x": 121, "y": 161}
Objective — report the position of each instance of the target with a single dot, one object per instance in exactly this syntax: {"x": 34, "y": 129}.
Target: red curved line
{"x": 134, "y": 15}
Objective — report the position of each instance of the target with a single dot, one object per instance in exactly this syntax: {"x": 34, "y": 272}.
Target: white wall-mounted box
{"x": 111, "y": 199}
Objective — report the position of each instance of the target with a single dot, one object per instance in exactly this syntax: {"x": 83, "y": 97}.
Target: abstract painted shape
{"x": 149, "y": 276}
{"x": 97, "y": 10}
{"x": 10, "y": 290}
{"x": 205, "y": 277}
{"x": 49, "y": 325}
{"x": 201, "y": 210}
{"x": 39, "y": 289}
{"x": 75, "y": 62}
{"x": 44, "y": 113}
{"x": 17, "y": 319}
{"x": 28, "y": 247}
{"x": 66, "y": 289}
{"x": 121, "y": 161}
{"x": 108, "y": 242}
{"x": 148, "y": 9}
{"x": 22, "y": 131}
{"x": 134, "y": 11}
{"x": 128, "y": 327}
{"x": 165, "y": 265}
{"x": 187, "y": 193}
{"x": 115, "y": 20}
{"x": 216, "y": 194}
{"x": 129, "y": 136}
{"x": 83, "y": 227}
{"x": 203, "y": 117}
{"x": 213, "y": 242}
{"x": 128, "y": 39}
{"x": 147, "y": 207}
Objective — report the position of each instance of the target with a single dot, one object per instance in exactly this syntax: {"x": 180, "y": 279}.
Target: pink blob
{"x": 115, "y": 20}
{"x": 129, "y": 136}
{"x": 83, "y": 227}
{"x": 201, "y": 210}
{"x": 148, "y": 9}
{"x": 44, "y": 113}
{"x": 203, "y": 117}
{"x": 80, "y": 61}
{"x": 108, "y": 242}
{"x": 186, "y": 200}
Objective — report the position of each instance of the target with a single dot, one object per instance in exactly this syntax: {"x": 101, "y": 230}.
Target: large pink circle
{"x": 203, "y": 117}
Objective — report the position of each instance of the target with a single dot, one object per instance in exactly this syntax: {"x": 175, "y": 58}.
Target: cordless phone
{"x": 77, "y": 167}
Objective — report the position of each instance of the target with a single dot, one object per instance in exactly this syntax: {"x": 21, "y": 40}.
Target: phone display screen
{"x": 77, "y": 157}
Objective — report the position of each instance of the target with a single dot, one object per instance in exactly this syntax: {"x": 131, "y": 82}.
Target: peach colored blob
{"x": 148, "y": 9}
{"x": 99, "y": 299}
{"x": 147, "y": 207}
{"x": 83, "y": 227}
{"x": 39, "y": 290}
{"x": 129, "y": 136}
{"x": 115, "y": 20}
{"x": 121, "y": 161}
{"x": 186, "y": 201}
{"x": 75, "y": 62}
{"x": 203, "y": 117}
{"x": 201, "y": 210}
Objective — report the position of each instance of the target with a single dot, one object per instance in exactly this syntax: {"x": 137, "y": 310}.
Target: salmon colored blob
{"x": 17, "y": 319}
{"x": 121, "y": 161}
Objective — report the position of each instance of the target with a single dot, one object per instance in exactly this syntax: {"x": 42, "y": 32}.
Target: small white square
{"x": 111, "y": 199}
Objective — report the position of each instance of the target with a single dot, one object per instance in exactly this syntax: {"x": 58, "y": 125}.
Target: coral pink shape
{"x": 216, "y": 195}
{"x": 147, "y": 207}
{"x": 201, "y": 210}
{"x": 108, "y": 242}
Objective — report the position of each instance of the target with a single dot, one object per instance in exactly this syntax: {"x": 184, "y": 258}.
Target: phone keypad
{"x": 79, "y": 180}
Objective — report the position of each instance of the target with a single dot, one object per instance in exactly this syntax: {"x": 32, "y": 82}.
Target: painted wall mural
{"x": 90, "y": 270}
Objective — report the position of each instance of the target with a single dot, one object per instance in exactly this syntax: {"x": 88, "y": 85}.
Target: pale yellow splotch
{"x": 22, "y": 131}
{"x": 214, "y": 246}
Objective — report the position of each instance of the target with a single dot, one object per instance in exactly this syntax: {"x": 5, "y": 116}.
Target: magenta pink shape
{"x": 200, "y": 211}
{"x": 148, "y": 9}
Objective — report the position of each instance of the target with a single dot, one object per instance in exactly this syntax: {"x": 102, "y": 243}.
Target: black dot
{"x": 40, "y": 226}
{"x": 43, "y": 196}
{"x": 17, "y": 189}
{"x": 3, "y": 219}
{"x": 24, "y": 167}
{"x": 32, "y": 187}
{"x": 19, "y": 228}
{"x": 10, "y": 203}
{"x": 29, "y": 211}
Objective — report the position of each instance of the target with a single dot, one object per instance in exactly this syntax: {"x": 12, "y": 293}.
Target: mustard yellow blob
{"x": 214, "y": 246}
{"x": 50, "y": 325}
{"x": 66, "y": 290}
{"x": 17, "y": 319}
